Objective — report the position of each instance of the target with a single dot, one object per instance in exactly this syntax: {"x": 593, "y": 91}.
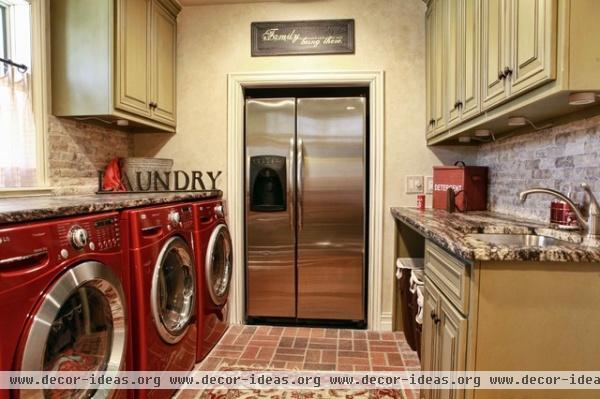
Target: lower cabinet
{"x": 444, "y": 339}
{"x": 508, "y": 315}
{"x": 444, "y": 342}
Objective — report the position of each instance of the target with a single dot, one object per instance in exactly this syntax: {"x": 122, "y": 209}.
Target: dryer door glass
{"x": 173, "y": 290}
{"x": 219, "y": 264}
{"x": 79, "y": 326}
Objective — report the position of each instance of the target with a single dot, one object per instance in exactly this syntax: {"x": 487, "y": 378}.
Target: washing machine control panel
{"x": 78, "y": 236}
{"x": 91, "y": 234}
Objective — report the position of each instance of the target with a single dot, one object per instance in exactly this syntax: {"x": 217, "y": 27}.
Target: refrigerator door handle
{"x": 291, "y": 182}
{"x": 299, "y": 182}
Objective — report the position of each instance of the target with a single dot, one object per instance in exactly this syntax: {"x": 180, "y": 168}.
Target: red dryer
{"x": 63, "y": 298}
{"x": 163, "y": 290}
{"x": 214, "y": 261}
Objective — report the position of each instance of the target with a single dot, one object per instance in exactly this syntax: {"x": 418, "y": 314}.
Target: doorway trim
{"x": 236, "y": 83}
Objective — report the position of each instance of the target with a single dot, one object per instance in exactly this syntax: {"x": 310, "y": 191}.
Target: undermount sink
{"x": 520, "y": 240}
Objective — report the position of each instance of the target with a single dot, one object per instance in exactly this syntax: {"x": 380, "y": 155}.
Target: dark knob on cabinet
{"x": 507, "y": 72}
{"x": 153, "y": 104}
{"x": 501, "y": 75}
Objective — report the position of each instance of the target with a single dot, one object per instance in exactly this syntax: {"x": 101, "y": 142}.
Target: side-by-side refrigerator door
{"x": 270, "y": 224}
{"x": 331, "y": 208}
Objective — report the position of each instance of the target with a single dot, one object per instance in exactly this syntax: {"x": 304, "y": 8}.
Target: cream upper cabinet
{"x": 494, "y": 42}
{"x": 470, "y": 59}
{"x": 163, "y": 65}
{"x": 430, "y": 67}
{"x": 121, "y": 70}
{"x": 439, "y": 68}
{"x": 532, "y": 43}
{"x": 132, "y": 77}
{"x": 507, "y": 57}
{"x": 436, "y": 26}
{"x": 452, "y": 50}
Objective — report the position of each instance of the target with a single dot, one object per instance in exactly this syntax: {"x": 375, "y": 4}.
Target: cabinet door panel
{"x": 429, "y": 339}
{"x": 164, "y": 48}
{"x": 533, "y": 43}
{"x": 439, "y": 68}
{"x": 452, "y": 345}
{"x": 430, "y": 66}
{"x": 132, "y": 75}
{"x": 452, "y": 51}
{"x": 470, "y": 58}
{"x": 493, "y": 51}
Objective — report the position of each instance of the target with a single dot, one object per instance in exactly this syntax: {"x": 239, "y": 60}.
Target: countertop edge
{"x": 90, "y": 204}
{"x": 468, "y": 250}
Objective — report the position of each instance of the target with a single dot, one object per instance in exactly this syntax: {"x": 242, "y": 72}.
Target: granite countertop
{"x": 25, "y": 209}
{"x": 449, "y": 231}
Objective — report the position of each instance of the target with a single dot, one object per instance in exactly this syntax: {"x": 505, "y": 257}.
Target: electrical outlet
{"x": 428, "y": 184}
{"x": 414, "y": 184}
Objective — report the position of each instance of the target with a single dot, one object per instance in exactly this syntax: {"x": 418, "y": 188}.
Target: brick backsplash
{"x": 76, "y": 151}
{"x": 559, "y": 157}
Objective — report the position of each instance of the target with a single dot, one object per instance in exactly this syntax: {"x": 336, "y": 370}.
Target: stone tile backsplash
{"x": 559, "y": 157}
{"x": 76, "y": 151}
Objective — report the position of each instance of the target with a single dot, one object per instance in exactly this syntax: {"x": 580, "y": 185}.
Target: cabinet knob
{"x": 432, "y": 315}
{"x": 507, "y": 72}
{"x": 459, "y": 104}
{"x": 152, "y": 104}
{"x": 501, "y": 75}
{"x": 437, "y": 320}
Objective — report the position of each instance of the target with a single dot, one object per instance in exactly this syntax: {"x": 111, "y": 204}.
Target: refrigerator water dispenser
{"x": 268, "y": 183}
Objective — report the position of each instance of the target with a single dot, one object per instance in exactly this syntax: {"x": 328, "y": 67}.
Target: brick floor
{"x": 313, "y": 349}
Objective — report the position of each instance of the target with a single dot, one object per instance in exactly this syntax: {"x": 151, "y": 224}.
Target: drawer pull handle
{"x": 23, "y": 259}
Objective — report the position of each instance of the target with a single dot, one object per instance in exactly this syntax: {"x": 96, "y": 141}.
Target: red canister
{"x": 562, "y": 214}
{"x": 421, "y": 201}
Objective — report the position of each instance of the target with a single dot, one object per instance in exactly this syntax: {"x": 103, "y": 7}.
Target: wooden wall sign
{"x": 335, "y": 36}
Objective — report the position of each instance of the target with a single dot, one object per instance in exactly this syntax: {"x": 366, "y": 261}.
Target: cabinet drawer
{"x": 449, "y": 274}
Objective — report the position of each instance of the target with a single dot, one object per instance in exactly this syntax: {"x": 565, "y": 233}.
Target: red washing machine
{"x": 63, "y": 299}
{"x": 214, "y": 261}
{"x": 163, "y": 289}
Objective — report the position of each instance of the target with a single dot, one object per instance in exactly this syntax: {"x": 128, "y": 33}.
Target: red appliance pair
{"x": 64, "y": 300}
{"x": 180, "y": 261}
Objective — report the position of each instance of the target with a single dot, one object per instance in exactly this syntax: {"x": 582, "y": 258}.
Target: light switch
{"x": 414, "y": 184}
{"x": 428, "y": 184}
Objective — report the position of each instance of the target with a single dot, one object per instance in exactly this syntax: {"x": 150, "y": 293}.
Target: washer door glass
{"x": 81, "y": 333}
{"x": 219, "y": 264}
{"x": 173, "y": 290}
{"x": 79, "y": 326}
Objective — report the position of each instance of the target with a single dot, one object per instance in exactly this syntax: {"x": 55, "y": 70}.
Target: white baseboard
{"x": 385, "y": 322}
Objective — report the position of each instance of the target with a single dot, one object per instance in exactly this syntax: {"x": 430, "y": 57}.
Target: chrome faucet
{"x": 589, "y": 219}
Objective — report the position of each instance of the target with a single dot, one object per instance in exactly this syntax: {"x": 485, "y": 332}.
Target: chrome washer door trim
{"x": 174, "y": 335}
{"x": 218, "y": 298}
{"x": 90, "y": 273}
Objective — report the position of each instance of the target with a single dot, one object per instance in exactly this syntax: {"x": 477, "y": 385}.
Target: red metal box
{"x": 468, "y": 182}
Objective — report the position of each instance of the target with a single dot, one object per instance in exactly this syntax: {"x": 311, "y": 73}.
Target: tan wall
{"x": 215, "y": 40}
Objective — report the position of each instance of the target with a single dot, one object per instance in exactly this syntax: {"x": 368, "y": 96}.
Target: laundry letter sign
{"x": 334, "y": 36}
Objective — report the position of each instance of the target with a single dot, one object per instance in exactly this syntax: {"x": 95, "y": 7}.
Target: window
{"x": 21, "y": 123}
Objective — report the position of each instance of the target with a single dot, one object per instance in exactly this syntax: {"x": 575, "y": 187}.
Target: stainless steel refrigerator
{"x": 305, "y": 208}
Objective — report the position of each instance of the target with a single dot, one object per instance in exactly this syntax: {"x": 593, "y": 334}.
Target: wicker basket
{"x": 132, "y": 166}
